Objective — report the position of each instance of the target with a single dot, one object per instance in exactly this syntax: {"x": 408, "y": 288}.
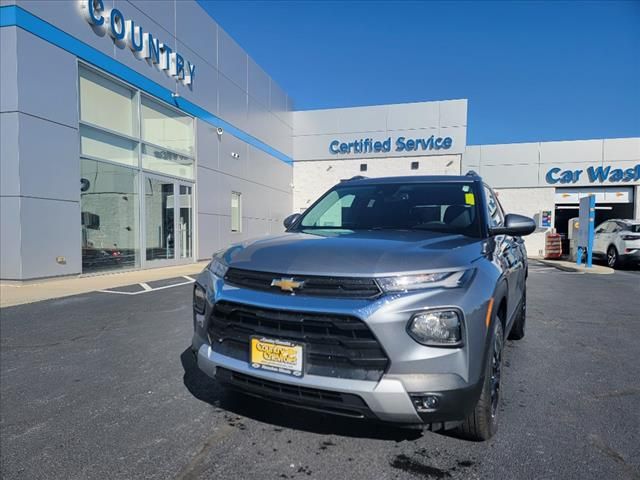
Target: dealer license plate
{"x": 275, "y": 355}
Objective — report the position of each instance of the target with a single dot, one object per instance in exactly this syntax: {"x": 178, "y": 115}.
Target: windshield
{"x": 442, "y": 207}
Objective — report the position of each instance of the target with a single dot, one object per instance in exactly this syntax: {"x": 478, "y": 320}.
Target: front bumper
{"x": 386, "y": 400}
{"x": 454, "y": 375}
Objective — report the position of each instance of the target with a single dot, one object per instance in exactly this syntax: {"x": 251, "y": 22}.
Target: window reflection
{"x": 167, "y": 162}
{"x": 109, "y": 216}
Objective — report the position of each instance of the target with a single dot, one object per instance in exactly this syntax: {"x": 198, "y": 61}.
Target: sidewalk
{"x": 572, "y": 267}
{"x": 17, "y": 293}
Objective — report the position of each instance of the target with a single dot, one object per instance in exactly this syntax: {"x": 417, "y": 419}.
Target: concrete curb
{"x": 12, "y": 294}
{"x": 572, "y": 267}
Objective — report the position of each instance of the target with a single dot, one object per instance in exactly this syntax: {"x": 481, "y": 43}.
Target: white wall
{"x": 529, "y": 202}
{"x": 527, "y": 164}
{"x": 314, "y": 130}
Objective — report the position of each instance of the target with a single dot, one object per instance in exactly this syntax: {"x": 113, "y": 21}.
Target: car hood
{"x": 346, "y": 253}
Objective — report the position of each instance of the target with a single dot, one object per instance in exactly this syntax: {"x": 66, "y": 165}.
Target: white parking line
{"x": 147, "y": 288}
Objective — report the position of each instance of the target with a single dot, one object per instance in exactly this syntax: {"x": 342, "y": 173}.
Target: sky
{"x": 532, "y": 71}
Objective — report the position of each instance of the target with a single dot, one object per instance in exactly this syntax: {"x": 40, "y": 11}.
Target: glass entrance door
{"x": 159, "y": 219}
{"x": 168, "y": 221}
{"x": 185, "y": 221}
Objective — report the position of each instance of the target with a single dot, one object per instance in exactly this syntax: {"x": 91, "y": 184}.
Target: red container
{"x": 552, "y": 245}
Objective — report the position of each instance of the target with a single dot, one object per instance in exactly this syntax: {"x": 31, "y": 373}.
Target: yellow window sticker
{"x": 469, "y": 199}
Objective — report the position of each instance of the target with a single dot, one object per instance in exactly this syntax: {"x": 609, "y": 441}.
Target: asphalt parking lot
{"x": 102, "y": 386}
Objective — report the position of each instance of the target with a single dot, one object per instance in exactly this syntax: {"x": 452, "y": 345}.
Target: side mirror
{"x": 290, "y": 220}
{"x": 515, "y": 225}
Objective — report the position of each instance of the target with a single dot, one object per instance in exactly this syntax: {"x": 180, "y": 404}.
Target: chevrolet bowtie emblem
{"x": 286, "y": 284}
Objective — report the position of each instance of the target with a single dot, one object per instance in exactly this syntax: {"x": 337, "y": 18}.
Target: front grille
{"x": 338, "y": 403}
{"x": 338, "y": 287}
{"x": 335, "y": 345}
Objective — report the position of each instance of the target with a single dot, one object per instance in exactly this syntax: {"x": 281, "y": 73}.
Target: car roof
{"x": 412, "y": 179}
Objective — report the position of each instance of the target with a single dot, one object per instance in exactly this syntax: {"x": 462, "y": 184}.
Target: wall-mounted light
{"x": 235, "y": 155}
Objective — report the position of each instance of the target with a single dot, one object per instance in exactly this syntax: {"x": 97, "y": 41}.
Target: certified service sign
{"x": 143, "y": 44}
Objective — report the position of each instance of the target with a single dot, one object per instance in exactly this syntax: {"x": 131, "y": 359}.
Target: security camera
{"x": 219, "y": 130}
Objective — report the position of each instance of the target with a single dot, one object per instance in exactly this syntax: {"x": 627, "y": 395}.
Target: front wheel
{"x": 612, "y": 257}
{"x": 482, "y": 423}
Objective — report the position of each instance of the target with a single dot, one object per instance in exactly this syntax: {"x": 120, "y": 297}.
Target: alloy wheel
{"x": 612, "y": 257}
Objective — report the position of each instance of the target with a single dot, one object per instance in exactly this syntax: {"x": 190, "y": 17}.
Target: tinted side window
{"x": 494, "y": 212}
{"x": 602, "y": 227}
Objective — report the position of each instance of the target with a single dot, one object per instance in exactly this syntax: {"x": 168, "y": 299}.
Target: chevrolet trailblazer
{"x": 388, "y": 299}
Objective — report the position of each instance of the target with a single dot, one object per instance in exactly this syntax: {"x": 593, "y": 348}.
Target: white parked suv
{"x": 618, "y": 241}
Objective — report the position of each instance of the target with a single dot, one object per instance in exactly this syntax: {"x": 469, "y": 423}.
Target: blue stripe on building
{"x": 14, "y": 16}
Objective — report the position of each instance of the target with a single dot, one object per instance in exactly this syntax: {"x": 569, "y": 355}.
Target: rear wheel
{"x": 517, "y": 329}
{"x": 612, "y": 257}
{"x": 482, "y": 423}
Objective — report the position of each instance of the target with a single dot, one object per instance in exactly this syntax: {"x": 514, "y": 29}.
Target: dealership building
{"x": 137, "y": 134}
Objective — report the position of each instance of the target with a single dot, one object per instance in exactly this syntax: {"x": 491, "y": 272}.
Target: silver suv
{"x": 388, "y": 299}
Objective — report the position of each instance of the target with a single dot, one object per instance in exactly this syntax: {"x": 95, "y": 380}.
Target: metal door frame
{"x": 177, "y": 242}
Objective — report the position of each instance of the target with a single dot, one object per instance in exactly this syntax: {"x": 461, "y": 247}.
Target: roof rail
{"x": 356, "y": 177}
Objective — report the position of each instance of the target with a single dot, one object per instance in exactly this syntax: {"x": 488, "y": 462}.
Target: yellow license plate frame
{"x": 276, "y": 355}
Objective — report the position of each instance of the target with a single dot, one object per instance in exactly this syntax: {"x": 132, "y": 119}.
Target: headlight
{"x": 218, "y": 268}
{"x": 438, "y": 328}
{"x": 199, "y": 299}
{"x": 406, "y": 283}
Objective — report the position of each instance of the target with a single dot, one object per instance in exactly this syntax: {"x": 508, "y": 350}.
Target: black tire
{"x": 517, "y": 329}
{"x": 613, "y": 259}
{"x": 482, "y": 423}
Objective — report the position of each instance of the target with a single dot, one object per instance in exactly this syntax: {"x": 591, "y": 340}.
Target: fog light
{"x": 430, "y": 402}
{"x": 425, "y": 402}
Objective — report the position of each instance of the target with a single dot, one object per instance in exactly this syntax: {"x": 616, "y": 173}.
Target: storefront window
{"x": 128, "y": 143}
{"x": 99, "y": 144}
{"x": 109, "y": 206}
{"x": 107, "y": 104}
{"x": 166, "y": 128}
{"x": 167, "y": 162}
{"x": 236, "y": 212}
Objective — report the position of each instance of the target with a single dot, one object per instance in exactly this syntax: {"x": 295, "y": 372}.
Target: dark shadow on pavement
{"x": 208, "y": 390}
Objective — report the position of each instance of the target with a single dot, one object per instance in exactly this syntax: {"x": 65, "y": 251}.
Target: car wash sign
{"x": 144, "y": 45}
{"x": 599, "y": 175}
